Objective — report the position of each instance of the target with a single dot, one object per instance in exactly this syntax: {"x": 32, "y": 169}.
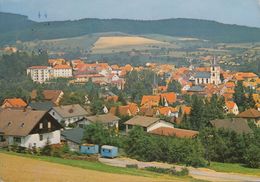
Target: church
{"x": 212, "y": 77}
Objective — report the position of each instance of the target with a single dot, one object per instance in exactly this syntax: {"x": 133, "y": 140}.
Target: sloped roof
{"x": 70, "y": 111}
{"x": 237, "y": 125}
{"x": 181, "y": 133}
{"x": 142, "y": 121}
{"x": 62, "y": 66}
{"x": 19, "y": 122}
{"x": 103, "y": 118}
{"x": 230, "y": 104}
{"x": 202, "y": 75}
{"x": 170, "y": 97}
{"x": 196, "y": 88}
{"x": 52, "y": 95}
{"x": 250, "y": 113}
{"x": 42, "y": 106}
{"x": 75, "y": 135}
{"x": 15, "y": 102}
{"x": 152, "y": 100}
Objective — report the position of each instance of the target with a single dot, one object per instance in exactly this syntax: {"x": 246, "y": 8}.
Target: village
{"x": 45, "y": 125}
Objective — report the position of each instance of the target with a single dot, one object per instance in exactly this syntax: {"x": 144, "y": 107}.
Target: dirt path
{"x": 21, "y": 169}
{"x": 198, "y": 173}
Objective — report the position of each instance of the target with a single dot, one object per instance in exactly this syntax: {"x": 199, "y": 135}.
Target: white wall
{"x": 30, "y": 140}
{"x": 159, "y": 124}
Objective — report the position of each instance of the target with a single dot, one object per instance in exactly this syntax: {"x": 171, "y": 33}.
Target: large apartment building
{"x": 39, "y": 74}
{"x": 42, "y": 74}
{"x": 62, "y": 71}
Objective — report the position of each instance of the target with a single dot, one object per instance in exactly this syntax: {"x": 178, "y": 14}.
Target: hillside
{"x": 17, "y": 27}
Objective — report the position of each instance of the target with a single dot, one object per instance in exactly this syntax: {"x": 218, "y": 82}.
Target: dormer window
{"x": 41, "y": 126}
{"x": 9, "y": 123}
{"x": 22, "y": 125}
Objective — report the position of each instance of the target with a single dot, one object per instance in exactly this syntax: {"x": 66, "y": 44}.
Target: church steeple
{"x": 215, "y": 72}
{"x": 155, "y": 85}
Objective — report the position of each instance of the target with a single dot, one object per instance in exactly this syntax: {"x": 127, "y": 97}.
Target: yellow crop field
{"x": 119, "y": 41}
{"x": 19, "y": 169}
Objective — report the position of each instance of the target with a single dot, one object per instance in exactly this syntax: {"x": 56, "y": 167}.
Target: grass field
{"x": 108, "y": 44}
{"x": 234, "y": 168}
{"x": 24, "y": 167}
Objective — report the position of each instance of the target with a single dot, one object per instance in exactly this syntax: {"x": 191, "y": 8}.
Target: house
{"x": 130, "y": 109}
{"x": 150, "y": 100}
{"x": 28, "y": 128}
{"x": 42, "y": 106}
{"x": 177, "y": 132}
{"x": 231, "y": 107}
{"x": 53, "y": 95}
{"x": 154, "y": 100}
{"x": 108, "y": 120}
{"x": 68, "y": 114}
{"x": 168, "y": 111}
{"x": 13, "y": 103}
{"x": 148, "y": 123}
{"x": 73, "y": 138}
{"x": 251, "y": 114}
{"x": 237, "y": 125}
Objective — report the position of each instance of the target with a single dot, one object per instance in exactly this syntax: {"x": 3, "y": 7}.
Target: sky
{"x": 241, "y": 12}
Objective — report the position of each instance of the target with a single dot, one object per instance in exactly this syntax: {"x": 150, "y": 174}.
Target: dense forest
{"x": 21, "y": 28}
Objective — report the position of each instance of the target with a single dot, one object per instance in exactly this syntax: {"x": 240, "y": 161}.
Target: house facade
{"x": 147, "y": 123}
{"x": 28, "y": 128}
{"x": 68, "y": 114}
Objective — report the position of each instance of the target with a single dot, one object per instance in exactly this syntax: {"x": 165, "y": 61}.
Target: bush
{"x": 170, "y": 171}
{"x": 135, "y": 166}
{"x": 252, "y": 156}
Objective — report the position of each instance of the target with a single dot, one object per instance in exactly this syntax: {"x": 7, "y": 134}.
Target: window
{"x": 49, "y": 124}
{"x": 41, "y": 126}
{"x": 53, "y": 113}
{"x": 17, "y": 139}
{"x": 41, "y": 137}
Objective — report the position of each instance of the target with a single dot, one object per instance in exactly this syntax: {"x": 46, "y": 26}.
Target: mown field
{"x": 23, "y": 167}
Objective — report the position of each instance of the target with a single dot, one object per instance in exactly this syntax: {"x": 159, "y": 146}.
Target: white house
{"x": 148, "y": 123}
{"x": 28, "y": 128}
{"x": 68, "y": 114}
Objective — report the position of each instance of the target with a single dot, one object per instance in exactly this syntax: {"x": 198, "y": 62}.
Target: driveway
{"x": 198, "y": 173}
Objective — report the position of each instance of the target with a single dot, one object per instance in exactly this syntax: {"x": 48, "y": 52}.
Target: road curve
{"x": 198, "y": 173}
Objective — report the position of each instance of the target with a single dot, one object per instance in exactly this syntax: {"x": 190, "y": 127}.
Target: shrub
{"x": 170, "y": 171}
{"x": 252, "y": 156}
{"x": 135, "y": 166}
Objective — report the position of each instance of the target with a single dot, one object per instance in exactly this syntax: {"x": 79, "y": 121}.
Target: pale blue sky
{"x": 242, "y": 12}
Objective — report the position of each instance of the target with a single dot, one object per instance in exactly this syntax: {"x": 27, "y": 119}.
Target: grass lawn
{"x": 97, "y": 166}
{"x": 234, "y": 168}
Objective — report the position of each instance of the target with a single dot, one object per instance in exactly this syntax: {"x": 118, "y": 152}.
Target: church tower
{"x": 155, "y": 86}
{"x": 215, "y": 72}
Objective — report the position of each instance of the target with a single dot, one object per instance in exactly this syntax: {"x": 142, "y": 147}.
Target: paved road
{"x": 198, "y": 173}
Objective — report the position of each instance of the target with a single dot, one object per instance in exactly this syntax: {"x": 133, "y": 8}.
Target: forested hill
{"x": 16, "y": 27}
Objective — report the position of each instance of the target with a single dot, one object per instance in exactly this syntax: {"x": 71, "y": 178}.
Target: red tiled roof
{"x": 170, "y": 97}
{"x": 14, "y": 102}
{"x": 62, "y": 66}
